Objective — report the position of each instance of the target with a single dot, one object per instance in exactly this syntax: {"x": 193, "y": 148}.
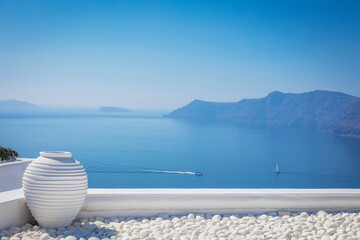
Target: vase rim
{"x": 55, "y": 154}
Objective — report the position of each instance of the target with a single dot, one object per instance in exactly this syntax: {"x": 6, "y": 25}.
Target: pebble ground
{"x": 276, "y": 225}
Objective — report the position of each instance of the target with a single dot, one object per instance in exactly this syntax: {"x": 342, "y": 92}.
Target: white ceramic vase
{"x": 55, "y": 187}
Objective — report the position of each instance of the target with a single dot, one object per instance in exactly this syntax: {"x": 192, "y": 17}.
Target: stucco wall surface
{"x": 149, "y": 202}
{"x": 13, "y": 209}
{"x": 11, "y": 173}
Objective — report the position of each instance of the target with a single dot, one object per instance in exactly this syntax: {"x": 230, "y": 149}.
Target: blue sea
{"x": 148, "y": 151}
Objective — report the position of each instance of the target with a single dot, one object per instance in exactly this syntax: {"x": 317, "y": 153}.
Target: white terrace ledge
{"x": 13, "y": 209}
{"x": 151, "y": 202}
{"x": 11, "y": 173}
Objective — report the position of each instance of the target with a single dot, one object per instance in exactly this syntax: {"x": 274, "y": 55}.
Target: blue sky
{"x": 163, "y": 54}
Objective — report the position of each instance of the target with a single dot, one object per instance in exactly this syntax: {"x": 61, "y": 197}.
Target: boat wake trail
{"x": 170, "y": 172}
{"x": 128, "y": 169}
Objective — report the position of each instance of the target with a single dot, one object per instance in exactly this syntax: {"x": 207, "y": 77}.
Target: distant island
{"x": 335, "y": 112}
{"x": 349, "y": 126}
{"x": 15, "y": 104}
{"x": 113, "y": 109}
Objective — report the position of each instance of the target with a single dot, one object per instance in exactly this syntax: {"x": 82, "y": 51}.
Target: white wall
{"x": 150, "y": 202}
{"x": 11, "y": 173}
{"x": 13, "y": 209}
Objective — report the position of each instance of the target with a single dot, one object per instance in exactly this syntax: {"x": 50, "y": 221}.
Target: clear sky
{"x": 163, "y": 54}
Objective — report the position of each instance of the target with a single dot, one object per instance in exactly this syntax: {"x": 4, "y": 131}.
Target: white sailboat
{"x": 277, "y": 169}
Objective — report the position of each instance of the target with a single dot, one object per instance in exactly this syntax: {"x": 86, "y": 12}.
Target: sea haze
{"x": 148, "y": 151}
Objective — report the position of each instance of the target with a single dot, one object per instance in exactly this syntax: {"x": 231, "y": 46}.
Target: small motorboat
{"x": 198, "y": 173}
{"x": 276, "y": 169}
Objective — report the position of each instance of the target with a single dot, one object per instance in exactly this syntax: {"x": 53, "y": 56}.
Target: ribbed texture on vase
{"x": 55, "y": 187}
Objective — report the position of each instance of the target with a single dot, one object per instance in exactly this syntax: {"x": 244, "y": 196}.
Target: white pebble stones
{"x": 280, "y": 225}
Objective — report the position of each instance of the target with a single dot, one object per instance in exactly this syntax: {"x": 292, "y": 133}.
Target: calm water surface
{"x": 137, "y": 152}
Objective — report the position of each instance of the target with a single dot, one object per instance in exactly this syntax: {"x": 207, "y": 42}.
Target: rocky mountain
{"x": 316, "y": 109}
{"x": 349, "y": 126}
{"x": 15, "y": 105}
{"x": 113, "y": 109}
